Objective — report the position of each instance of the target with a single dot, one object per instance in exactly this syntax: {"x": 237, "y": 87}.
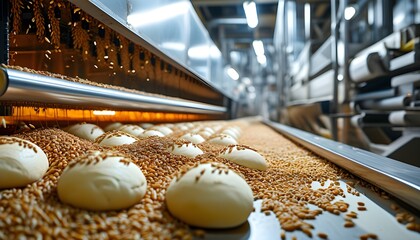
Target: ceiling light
{"x": 233, "y": 73}
{"x": 262, "y": 59}
{"x": 251, "y": 13}
{"x": 258, "y": 47}
{"x": 349, "y": 12}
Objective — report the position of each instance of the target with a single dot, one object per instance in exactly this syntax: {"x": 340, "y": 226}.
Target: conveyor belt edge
{"x": 397, "y": 178}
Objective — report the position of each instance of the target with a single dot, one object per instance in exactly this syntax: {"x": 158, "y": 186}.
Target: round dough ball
{"x": 101, "y": 181}
{"x": 245, "y": 156}
{"x": 113, "y": 126}
{"x": 210, "y": 196}
{"x": 146, "y": 125}
{"x": 236, "y": 129}
{"x": 217, "y": 128}
{"x": 208, "y": 129}
{"x": 194, "y": 138}
{"x": 115, "y": 138}
{"x": 223, "y": 139}
{"x": 131, "y": 129}
{"x": 86, "y": 131}
{"x": 21, "y": 162}
{"x": 205, "y": 134}
{"x": 182, "y": 128}
{"x": 230, "y": 133}
{"x": 186, "y": 149}
{"x": 195, "y": 130}
{"x": 164, "y": 130}
{"x": 150, "y": 133}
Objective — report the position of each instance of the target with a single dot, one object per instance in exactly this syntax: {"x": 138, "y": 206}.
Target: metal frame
{"x": 22, "y": 87}
{"x": 4, "y": 32}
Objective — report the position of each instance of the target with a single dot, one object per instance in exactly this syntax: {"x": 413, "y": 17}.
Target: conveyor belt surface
{"x": 300, "y": 192}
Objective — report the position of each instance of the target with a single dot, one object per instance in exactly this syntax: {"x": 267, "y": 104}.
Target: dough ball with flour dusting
{"x": 210, "y": 196}
{"x": 101, "y": 181}
{"x": 21, "y": 162}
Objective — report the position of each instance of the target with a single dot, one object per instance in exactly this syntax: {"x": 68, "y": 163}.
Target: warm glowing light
{"x": 103, "y": 113}
{"x": 250, "y": 9}
{"x": 40, "y": 116}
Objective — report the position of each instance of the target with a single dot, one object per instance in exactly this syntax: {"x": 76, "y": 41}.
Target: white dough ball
{"x": 115, "y": 138}
{"x": 165, "y": 130}
{"x": 146, "y": 125}
{"x": 244, "y": 156}
{"x": 230, "y": 133}
{"x": 195, "y": 130}
{"x": 86, "y": 131}
{"x": 223, "y": 139}
{"x": 101, "y": 181}
{"x": 150, "y": 133}
{"x": 235, "y": 129}
{"x": 21, "y": 162}
{"x": 217, "y": 128}
{"x": 131, "y": 129}
{"x": 208, "y": 129}
{"x": 113, "y": 126}
{"x": 182, "y": 127}
{"x": 205, "y": 134}
{"x": 186, "y": 149}
{"x": 194, "y": 138}
{"x": 210, "y": 196}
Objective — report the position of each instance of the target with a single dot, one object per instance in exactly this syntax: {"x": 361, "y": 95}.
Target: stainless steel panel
{"x": 163, "y": 23}
{"x": 169, "y": 28}
{"x": 28, "y": 87}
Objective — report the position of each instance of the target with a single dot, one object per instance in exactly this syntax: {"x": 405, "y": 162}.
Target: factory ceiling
{"x": 226, "y": 22}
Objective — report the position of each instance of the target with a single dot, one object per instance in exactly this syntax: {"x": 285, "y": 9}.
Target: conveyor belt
{"x": 378, "y": 218}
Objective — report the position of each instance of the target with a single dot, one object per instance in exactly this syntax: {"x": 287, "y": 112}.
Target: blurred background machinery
{"x": 349, "y": 70}
{"x": 346, "y": 70}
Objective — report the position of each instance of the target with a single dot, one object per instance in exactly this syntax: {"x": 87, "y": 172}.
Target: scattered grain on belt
{"x": 285, "y": 188}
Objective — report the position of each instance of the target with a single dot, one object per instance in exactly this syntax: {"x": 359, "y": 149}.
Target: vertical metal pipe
{"x": 284, "y": 55}
{"x": 4, "y": 32}
{"x": 334, "y": 61}
{"x": 278, "y": 39}
{"x": 346, "y": 75}
{"x": 307, "y": 28}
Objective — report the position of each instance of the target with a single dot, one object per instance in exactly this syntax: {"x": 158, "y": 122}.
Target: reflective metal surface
{"x": 400, "y": 179}
{"x": 23, "y": 87}
{"x": 170, "y": 29}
